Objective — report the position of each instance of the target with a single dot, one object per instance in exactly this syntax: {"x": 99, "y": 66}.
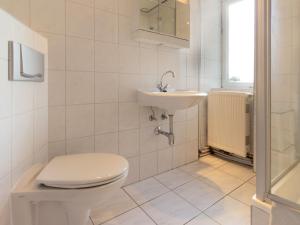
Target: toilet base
{"x": 33, "y": 204}
{"x": 50, "y": 213}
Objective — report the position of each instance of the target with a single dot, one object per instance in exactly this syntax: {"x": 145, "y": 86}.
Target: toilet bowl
{"x": 65, "y": 190}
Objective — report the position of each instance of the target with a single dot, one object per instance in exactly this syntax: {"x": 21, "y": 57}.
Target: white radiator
{"x": 229, "y": 121}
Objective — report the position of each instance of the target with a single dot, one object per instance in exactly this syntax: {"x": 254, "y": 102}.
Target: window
{"x": 238, "y": 43}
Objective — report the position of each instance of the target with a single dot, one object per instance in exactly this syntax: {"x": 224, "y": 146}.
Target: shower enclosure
{"x": 278, "y": 102}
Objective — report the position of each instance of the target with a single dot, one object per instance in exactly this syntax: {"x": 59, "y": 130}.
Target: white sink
{"x": 170, "y": 101}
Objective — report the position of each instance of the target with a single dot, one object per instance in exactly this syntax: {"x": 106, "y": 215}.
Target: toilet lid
{"x": 83, "y": 170}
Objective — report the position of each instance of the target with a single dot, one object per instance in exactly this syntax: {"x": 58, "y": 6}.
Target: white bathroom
{"x": 149, "y": 112}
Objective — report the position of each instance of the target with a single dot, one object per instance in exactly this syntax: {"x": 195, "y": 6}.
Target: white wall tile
{"x": 7, "y": 26}
{"x": 107, "y": 143}
{"x": 80, "y": 54}
{"x": 80, "y": 88}
{"x": 192, "y": 130}
{"x": 22, "y": 146}
{"x": 106, "y": 26}
{"x": 5, "y": 90}
{"x": 111, "y": 6}
{"x": 192, "y": 151}
{"x": 48, "y": 16}
{"x": 106, "y": 87}
{"x": 148, "y": 140}
{"x": 89, "y": 3}
{"x": 129, "y": 59}
{"x": 42, "y": 155}
{"x": 148, "y": 163}
{"x": 106, "y": 118}
{"x": 180, "y": 132}
{"x": 40, "y": 92}
{"x": 4, "y": 200}
{"x": 22, "y": 97}
{"x": 165, "y": 158}
{"x": 80, "y": 145}
{"x": 57, "y": 88}
{"x": 57, "y": 149}
{"x": 80, "y": 20}
{"x": 57, "y": 123}
{"x": 128, "y": 7}
{"x": 79, "y": 121}
{"x": 5, "y": 150}
{"x": 134, "y": 170}
{"x": 128, "y": 114}
{"x": 126, "y": 28}
{"x": 20, "y": 10}
{"x": 106, "y": 57}
{"x": 57, "y": 51}
{"x": 129, "y": 143}
{"x": 128, "y": 84}
{"x": 179, "y": 155}
{"x": 149, "y": 63}
{"x": 41, "y": 128}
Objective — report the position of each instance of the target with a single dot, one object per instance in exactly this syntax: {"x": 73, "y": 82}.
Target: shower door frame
{"x": 263, "y": 105}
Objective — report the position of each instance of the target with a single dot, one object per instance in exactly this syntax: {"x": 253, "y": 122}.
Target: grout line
{"x": 94, "y": 83}
{"x": 66, "y": 107}
{"x": 139, "y": 205}
{"x": 199, "y": 215}
{"x": 126, "y": 211}
{"x": 91, "y": 220}
{"x": 148, "y": 215}
{"x": 147, "y": 200}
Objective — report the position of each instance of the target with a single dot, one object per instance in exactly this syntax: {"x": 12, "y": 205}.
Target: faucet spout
{"x": 161, "y": 86}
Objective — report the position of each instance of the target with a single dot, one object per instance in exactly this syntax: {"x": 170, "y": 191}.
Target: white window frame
{"x": 226, "y": 83}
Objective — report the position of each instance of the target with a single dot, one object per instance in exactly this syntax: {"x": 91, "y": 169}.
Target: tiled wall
{"x": 285, "y": 83}
{"x": 211, "y": 64}
{"x": 95, "y": 69}
{"x": 23, "y": 114}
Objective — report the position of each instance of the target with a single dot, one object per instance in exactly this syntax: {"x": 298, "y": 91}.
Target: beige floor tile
{"x": 242, "y": 172}
{"x": 146, "y": 190}
{"x": 221, "y": 181}
{"x": 229, "y": 211}
{"x": 252, "y": 180}
{"x": 197, "y": 168}
{"x": 170, "y": 209}
{"x": 113, "y": 206}
{"x": 174, "y": 178}
{"x": 199, "y": 194}
{"x": 244, "y": 193}
{"x": 202, "y": 219}
{"x": 212, "y": 161}
{"x": 133, "y": 217}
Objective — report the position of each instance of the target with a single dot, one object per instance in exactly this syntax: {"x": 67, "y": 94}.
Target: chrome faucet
{"x": 160, "y": 86}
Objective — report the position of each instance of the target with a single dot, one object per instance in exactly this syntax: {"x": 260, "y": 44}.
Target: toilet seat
{"x": 83, "y": 170}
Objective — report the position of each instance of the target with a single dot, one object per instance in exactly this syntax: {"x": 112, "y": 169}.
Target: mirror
{"x": 169, "y": 17}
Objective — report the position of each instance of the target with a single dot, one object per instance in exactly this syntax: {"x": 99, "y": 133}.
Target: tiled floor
{"x": 211, "y": 191}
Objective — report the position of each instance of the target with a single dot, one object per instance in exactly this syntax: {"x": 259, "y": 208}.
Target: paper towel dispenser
{"x": 24, "y": 63}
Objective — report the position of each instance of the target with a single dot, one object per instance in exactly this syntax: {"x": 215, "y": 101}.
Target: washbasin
{"x": 171, "y": 100}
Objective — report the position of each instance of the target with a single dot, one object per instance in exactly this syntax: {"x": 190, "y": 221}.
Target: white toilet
{"x": 65, "y": 190}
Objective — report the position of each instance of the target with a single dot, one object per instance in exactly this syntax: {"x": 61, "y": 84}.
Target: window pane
{"x": 241, "y": 41}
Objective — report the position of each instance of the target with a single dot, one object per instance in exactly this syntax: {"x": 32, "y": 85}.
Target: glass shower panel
{"x": 285, "y": 99}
